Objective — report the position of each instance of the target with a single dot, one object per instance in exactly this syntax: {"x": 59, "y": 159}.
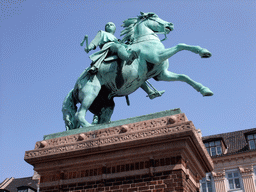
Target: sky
{"x": 41, "y": 59}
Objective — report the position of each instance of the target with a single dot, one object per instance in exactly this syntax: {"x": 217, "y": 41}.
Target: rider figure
{"x": 108, "y": 42}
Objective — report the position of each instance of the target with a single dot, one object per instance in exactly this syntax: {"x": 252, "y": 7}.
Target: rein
{"x": 165, "y": 37}
{"x": 140, "y": 38}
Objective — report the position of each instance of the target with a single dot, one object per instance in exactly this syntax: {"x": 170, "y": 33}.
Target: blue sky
{"x": 40, "y": 59}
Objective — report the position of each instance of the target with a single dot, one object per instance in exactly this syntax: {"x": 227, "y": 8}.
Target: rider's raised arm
{"x": 95, "y": 42}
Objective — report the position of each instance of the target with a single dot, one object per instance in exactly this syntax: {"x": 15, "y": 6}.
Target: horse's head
{"x": 153, "y": 22}
{"x": 146, "y": 23}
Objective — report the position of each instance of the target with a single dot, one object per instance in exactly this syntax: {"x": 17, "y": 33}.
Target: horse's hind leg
{"x": 170, "y": 76}
{"x": 105, "y": 115}
{"x": 87, "y": 95}
{"x": 106, "y": 110}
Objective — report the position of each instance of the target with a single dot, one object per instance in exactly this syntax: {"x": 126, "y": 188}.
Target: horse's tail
{"x": 69, "y": 110}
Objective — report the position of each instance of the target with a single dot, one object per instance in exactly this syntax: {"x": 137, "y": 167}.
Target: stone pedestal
{"x": 156, "y": 154}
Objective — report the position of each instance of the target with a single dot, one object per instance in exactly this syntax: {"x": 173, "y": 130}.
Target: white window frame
{"x": 253, "y": 140}
{"x": 227, "y": 172}
{"x": 217, "y": 148}
{"x": 209, "y": 179}
{"x": 23, "y": 190}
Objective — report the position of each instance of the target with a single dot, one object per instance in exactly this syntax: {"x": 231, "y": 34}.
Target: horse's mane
{"x": 129, "y": 25}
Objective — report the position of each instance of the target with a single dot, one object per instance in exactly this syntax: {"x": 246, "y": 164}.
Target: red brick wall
{"x": 168, "y": 181}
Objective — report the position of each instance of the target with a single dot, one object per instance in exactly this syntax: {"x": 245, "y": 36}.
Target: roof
{"x": 11, "y": 184}
{"x": 235, "y": 141}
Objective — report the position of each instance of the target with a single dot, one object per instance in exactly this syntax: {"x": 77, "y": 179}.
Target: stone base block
{"x": 161, "y": 154}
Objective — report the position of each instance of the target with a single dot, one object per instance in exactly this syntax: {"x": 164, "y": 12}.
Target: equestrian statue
{"x": 123, "y": 66}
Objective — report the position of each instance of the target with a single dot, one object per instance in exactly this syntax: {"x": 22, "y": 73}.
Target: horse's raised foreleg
{"x": 86, "y": 96}
{"x": 167, "y": 53}
{"x": 170, "y": 76}
{"x": 204, "y": 53}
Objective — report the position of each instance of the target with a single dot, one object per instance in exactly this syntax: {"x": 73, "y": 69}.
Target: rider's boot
{"x": 155, "y": 94}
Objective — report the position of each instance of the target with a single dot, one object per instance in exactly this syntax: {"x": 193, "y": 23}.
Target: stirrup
{"x": 156, "y": 94}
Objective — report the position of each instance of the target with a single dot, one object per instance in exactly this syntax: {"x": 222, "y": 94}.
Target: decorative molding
{"x": 115, "y": 135}
{"x": 152, "y": 123}
{"x": 245, "y": 170}
{"x": 218, "y": 175}
{"x": 234, "y": 157}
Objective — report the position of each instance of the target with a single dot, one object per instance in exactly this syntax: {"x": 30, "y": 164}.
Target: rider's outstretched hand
{"x": 86, "y": 50}
{"x": 89, "y": 48}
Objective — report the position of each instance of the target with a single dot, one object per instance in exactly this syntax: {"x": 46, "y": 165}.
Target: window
{"x": 25, "y": 189}
{"x": 206, "y": 184}
{"x": 252, "y": 141}
{"x": 214, "y": 148}
{"x": 234, "y": 181}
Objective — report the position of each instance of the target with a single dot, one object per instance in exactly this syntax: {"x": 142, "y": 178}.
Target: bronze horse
{"x": 116, "y": 79}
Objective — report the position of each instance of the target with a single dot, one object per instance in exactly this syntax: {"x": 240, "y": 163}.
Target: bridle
{"x": 152, "y": 18}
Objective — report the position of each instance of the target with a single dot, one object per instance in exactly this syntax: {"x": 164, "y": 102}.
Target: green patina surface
{"x": 121, "y": 67}
{"x": 115, "y": 123}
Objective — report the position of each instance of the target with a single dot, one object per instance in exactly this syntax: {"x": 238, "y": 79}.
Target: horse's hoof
{"x": 204, "y": 53}
{"x": 205, "y": 91}
{"x": 88, "y": 125}
{"x": 85, "y": 124}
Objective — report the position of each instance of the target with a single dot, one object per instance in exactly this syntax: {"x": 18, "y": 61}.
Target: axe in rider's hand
{"x": 82, "y": 43}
